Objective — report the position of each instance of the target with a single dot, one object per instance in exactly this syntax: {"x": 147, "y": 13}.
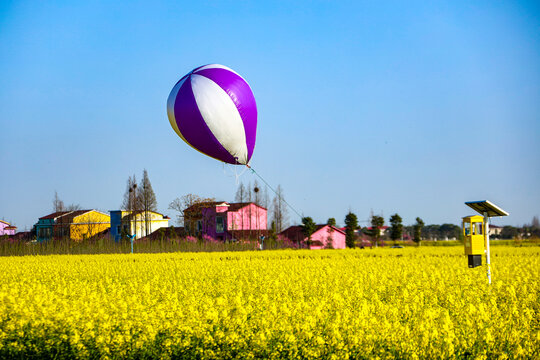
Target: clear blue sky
{"x": 410, "y": 107}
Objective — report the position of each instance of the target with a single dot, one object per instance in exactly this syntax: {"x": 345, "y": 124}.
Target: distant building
{"x": 6, "y": 228}
{"x": 226, "y": 221}
{"x": 495, "y": 230}
{"x": 384, "y": 230}
{"x": 139, "y": 223}
{"x": 325, "y": 236}
{"x": 76, "y": 225}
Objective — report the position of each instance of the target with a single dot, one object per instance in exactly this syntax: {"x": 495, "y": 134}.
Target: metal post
{"x": 488, "y": 253}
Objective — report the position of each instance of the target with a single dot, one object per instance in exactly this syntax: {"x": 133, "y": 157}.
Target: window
{"x": 199, "y": 226}
{"x": 477, "y": 228}
{"x": 219, "y": 224}
{"x": 467, "y": 228}
{"x": 44, "y": 233}
{"x": 65, "y": 231}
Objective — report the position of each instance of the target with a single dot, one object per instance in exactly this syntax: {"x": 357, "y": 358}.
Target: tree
{"x": 195, "y": 204}
{"x": 351, "y": 224}
{"x": 250, "y": 193}
{"x": 329, "y": 240}
{"x": 279, "y": 210}
{"x": 431, "y": 232}
{"x": 308, "y": 228}
{"x": 272, "y": 233}
{"x": 449, "y": 231}
{"x": 509, "y": 232}
{"x": 178, "y": 205}
{"x": 257, "y": 195}
{"x": 241, "y": 197}
{"x": 73, "y": 207}
{"x": 535, "y": 227}
{"x": 377, "y": 222}
{"x": 396, "y": 230}
{"x": 535, "y": 223}
{"x": 417, "y": 228}
{"x": 241, "y": 194}
{"x": 147, "y": 200}
{"x": 58, "y": 205}
{"x": 257, "y": 198}
{"x": 128, "y": 202}
{"x": 265, "y": 199}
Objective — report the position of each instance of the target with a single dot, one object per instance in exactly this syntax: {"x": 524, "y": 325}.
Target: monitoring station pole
{"x": 488, "y": 253}
{"x": 487, "y": 209}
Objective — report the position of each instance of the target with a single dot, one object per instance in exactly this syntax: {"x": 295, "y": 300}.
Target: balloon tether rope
{"x": 235, "y": 173}
{"x": 274, "y": 191}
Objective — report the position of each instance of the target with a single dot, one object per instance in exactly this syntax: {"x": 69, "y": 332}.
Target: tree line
{"x": 354, "y": 232}
{"x": 140, "y": 197}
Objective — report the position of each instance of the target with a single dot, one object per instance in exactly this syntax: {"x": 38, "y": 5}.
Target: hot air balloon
{"x": 213, "y": 110}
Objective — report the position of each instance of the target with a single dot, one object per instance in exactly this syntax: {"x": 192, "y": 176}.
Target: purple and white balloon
{"x": 213, "y": 110}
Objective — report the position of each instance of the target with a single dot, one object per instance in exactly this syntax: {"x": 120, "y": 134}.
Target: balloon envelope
{"x": 213, "y": 109}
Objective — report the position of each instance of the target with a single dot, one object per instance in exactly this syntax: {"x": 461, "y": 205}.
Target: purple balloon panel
{"x": 193, "y": 127}
{"x": 242, "y": 96}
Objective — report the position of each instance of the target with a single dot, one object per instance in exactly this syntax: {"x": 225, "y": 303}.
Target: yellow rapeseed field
{"x": 334, "y": 304}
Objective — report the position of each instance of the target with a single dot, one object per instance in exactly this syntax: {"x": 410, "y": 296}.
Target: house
{"x": 226, "y": 221}
{"x": 139, "y": 223}
{"x": 193, "y": 216}
{"x": 495, "y": 230}
{"x": 76, "y": 225}
{"x": 325, "y": 236}
{"x": 45, "y": 225}
{"x": 6, "y": 228}
{"x": 383, "y": 230}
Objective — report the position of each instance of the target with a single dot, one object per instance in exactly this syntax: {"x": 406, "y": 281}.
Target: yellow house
{"x": 139, "y": 223}
{"x": 81, "y": 224}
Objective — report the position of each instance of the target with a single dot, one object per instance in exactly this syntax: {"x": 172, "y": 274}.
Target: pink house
{"x": 6, "y": 228}
{"x": 326, "y": 236}
{"x": 227, "y": 221}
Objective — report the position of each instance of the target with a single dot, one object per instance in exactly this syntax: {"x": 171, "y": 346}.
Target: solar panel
{"x": 485, "y": 206}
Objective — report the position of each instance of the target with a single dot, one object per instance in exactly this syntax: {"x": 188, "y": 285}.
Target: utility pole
{"x": 133, "y": 201}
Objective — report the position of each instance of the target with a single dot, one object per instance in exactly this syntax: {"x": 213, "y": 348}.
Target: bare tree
{"x": 127, "y": 202}
{"x": 241, "y": 196}
{"x": 241, "y": 193}
{"x": 279, "y": 210}
{"x": 189, "y": 201}
{"x": 257, "y": 195}
{"x": 257, "y": 199}
{"x": 265, "y": 199}
{"x": 130, "y": 203}
{"x": 147, "y": 200}
{"x": 73, "y": 207}
{"x": 178, "y": 205}
{"x": 250, "y": 196}
{"x": 58, "y": 205}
